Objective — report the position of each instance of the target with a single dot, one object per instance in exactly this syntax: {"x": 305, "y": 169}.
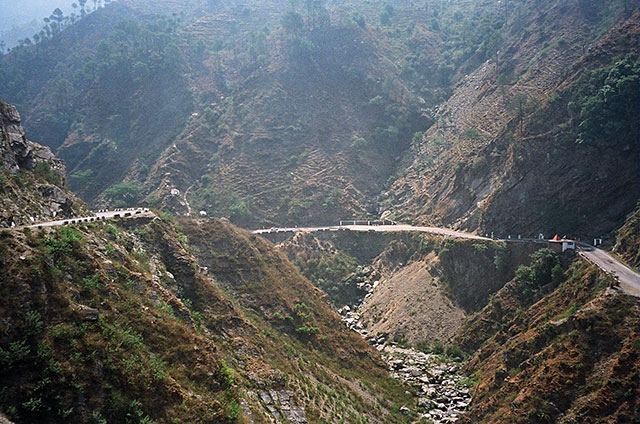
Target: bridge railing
{"x": 368, "y": 222}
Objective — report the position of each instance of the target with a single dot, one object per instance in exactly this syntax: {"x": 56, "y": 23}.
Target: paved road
{"x": 629, "y": 280}
{"x": 378, "y": 228}
{"x": 98, "y": 216}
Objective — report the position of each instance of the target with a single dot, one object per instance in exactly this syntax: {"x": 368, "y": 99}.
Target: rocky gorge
{"x": 443, "y": 390}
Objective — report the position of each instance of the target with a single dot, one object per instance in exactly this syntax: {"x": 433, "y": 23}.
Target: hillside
{"x": 567, "y": 352}
{"x": 532, "y": 131}
{"x": 628, "y": 240}
{"x": 268, "y": 115}
{"x": 242, "y": 122}
{"x": 512, "y": 119}
{"x": 132, "y": 320}
{"x": 409, "y": 287}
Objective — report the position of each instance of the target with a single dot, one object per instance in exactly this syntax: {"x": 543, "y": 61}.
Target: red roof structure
{"x": 556, "y": 238}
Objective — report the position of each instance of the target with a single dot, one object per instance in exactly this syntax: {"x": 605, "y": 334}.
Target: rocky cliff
{"x": 32, "y": 179}
{"x": 20, "y": 154}
{"x": 516, "y": 149}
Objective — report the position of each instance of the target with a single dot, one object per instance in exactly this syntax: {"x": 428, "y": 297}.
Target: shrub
{"x": 545, "y": 268}
{"x": 124, "y": 193}
{"x": 234, "y": 410}
{"x": 358, "y": 142}
{"x": 62, "y": 242}
{"x": 437, "y": 348}
{"x": 92, "y": 282}
{"x": 480, "y": 247}
{"x": 307, "y": 330}
{"x": 225, "y": 375}
{"x": 43, "y": 169}
{"x": 454, "y": 352}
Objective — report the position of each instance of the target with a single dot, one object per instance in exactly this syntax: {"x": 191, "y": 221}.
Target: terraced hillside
{"x": 259, "y": 121}
{"x": 447, "y": 113}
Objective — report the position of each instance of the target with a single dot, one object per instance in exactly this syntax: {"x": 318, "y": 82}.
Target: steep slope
{"x": 521, "y": 134}
{"x": 628, "y": 240}
{"x": 130, "y": 322}
{"x": 565, "y": 352}
{"x": 32, "y": 179}
{"x": 408, "y": 287}
{"x": 77, "y": 96}
{"x": 266, "y": 114}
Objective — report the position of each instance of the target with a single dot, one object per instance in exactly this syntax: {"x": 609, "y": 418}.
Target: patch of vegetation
{"x": 545, "y": 269}
{"x": 123, "y": 194}
{"x": 62, "y": 242}
{"x": 607, "y": 104}
{"x": 43, "y": 169}
{"x": 330, "y": 274}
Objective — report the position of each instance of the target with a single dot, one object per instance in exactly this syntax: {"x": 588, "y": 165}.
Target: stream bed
{"x": 444, "y": 392}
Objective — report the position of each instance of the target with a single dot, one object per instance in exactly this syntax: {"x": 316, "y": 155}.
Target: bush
{"x": 125, "y": 194}
{"x": 545, "y": 269}
{"x": 225, "y": 375}
{"x": 437, "y": 348}
{"x": 90, "y": 283}
{"x": 43, "y": 169}
{"x": 454, "y": 352}
{"x": 307, "y": 330}
{"x": 62, "y": 242}
{"x": 358, "y": 142}
{"x": 359, "y": 19}
{"x": 234, "y": 411}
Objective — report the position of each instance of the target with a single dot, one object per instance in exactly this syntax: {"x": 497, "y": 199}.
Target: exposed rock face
{"x": 4, "y": 420}
{"x": 17, "y": 152}
{"x": 31, "y": 178}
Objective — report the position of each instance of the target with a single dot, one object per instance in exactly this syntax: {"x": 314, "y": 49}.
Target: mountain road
{"x": 629, "y": 279}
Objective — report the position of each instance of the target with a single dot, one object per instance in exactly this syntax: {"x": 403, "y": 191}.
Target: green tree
{"x": 385, "y": 18}
{"x": 359, "y": 19}
{"x": 123, "y": 194}
{"x": 521, "y": 105}
{"x": 317, "y": 14}
{"x": 610, "y": 111}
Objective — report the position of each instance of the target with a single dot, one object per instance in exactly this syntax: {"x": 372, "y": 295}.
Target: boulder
{"x": 87, "y": 313}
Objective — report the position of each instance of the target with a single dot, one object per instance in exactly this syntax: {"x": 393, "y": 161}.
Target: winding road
{"x": 377, "y": 228}
{"x": 629, "y": 279}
